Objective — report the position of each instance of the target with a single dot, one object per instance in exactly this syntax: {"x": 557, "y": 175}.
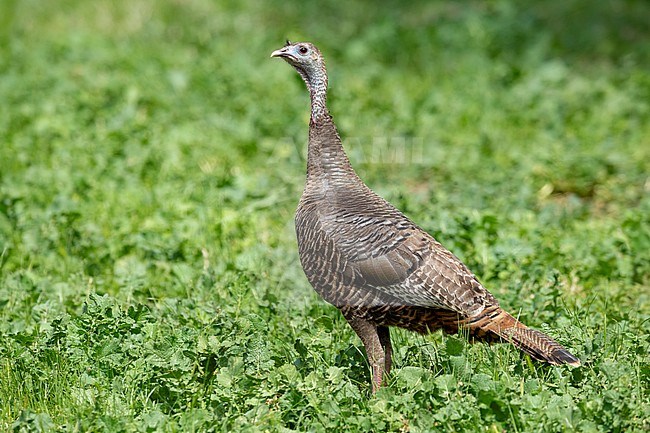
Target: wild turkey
{"x": 380, "y": 269}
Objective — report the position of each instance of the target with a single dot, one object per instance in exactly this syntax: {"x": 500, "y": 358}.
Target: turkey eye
{"x": 303, "y": 50}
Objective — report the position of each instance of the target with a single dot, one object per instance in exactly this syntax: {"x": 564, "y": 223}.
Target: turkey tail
{"x": 495, "y": 321}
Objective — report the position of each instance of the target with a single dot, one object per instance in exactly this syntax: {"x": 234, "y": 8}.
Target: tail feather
{"x": 535, "y": 343}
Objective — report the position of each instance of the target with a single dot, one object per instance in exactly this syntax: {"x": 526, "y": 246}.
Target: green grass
{"x": 152, "y": 156}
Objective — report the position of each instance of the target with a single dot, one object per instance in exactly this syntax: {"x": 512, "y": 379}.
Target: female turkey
{"x": 369, "y": 260}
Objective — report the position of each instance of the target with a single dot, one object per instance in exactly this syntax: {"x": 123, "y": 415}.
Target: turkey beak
{"x": 282, "y": 52}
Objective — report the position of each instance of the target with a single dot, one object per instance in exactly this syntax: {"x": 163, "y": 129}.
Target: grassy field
{"x": 152, "y": 156}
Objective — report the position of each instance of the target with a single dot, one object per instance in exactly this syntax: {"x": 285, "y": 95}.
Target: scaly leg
{"x": 367, "y": 332}
{"x": 384, "y": 339}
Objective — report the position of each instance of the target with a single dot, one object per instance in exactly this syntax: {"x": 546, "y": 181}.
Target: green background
{"x": 152, "y": 156}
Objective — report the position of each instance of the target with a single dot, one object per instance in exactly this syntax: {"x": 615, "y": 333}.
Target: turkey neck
{"x": 327, "y": 164}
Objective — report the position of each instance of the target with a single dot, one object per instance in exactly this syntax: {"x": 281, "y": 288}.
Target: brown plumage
{"x": 380, "y": 269}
